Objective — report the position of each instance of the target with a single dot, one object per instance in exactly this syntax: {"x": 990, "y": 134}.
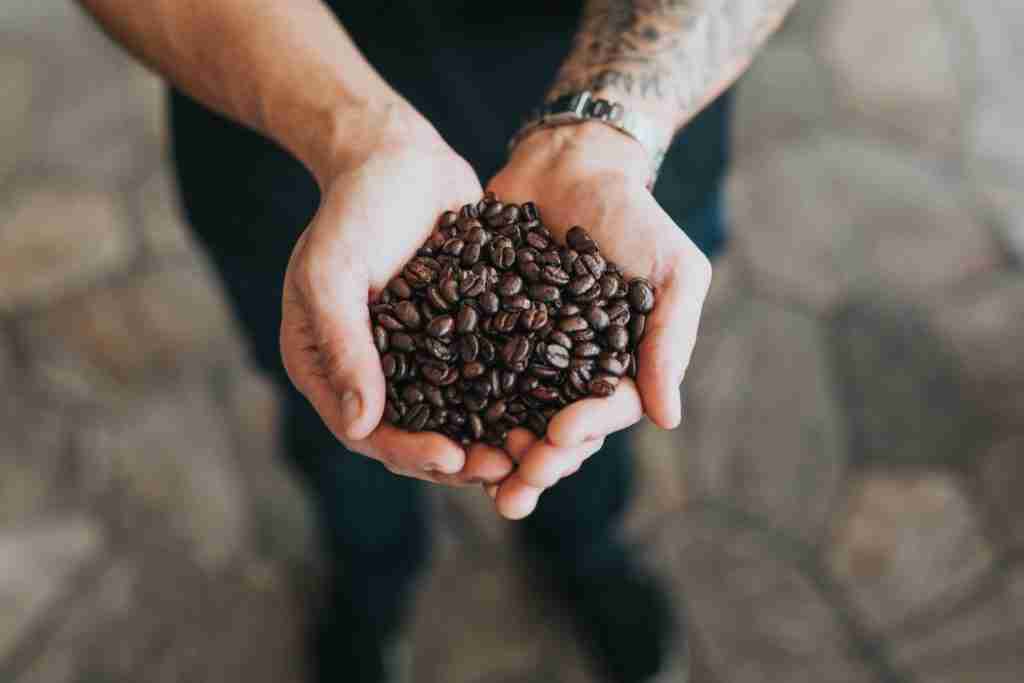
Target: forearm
{"x": 666, "y": 58}
{"x": 286, "y": 69}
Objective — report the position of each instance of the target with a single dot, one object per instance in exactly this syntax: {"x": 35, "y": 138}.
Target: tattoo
{"x": 675, "y": 53}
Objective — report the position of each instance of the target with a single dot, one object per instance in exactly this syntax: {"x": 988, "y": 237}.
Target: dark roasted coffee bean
{"x": 436, "y": 299}
{"x": 609, "y": 284}
{"x": 598, "y": 318}
{"x": 478, "y": 235}
{"x": 641, "y": 295}
{"x": 537, "y": 240}
{"x": 473, "y": 369}
{"x": 516, "y": 350}
{"x": 400, "y": 288}
{"x": 416, "y": 418}
{"x": 510, "y": 284}
{"x": 450, "y": 376}
{"x": 578, "y": 239}
{"x": 583, "y": 336}
{"x": 569, "y": 310}
{"x": 543, "y": 372}
{"x": 560, "y": 338}
{"x": 527, "y": 255}
{"x": 389, "y": 322}
{"x": 391, "y": 413}
{"x": 602, "y": 386}
{"x": 476, "y": 426}
{"x": 408, "y": 314}
{"x": 586, "y": 350}
{"x": 469, "y": 348}
{"x": 617, "y": 337}
{"x": 437, "y": 348}
{"x": 618, "y": 313}
{"x": 475, "y": 402}
{"x": 519, "y": 302}
{"x": 529, "y": 210}
{"x": 543, "y": 293}
{"x": 454, "y": 246}
{"x": 595, "y": 264}
{"x": 380, "y": 339}
{"x": 536, "y": 423}
{"x": 557, "y": 356}
{"x": 487, "y": 351}
{"x": 411, "y": 394}
{"x": 447, "y": 219}
{"x": 637, "y": 327}
{"x": 495, "y": 411}
{"x": 489, "y": 303}
{"x": 546, "y": 394}
{"x": 470, "y": 255}
{"x": 450, "y": 290}
{"x": 467, "y": 319}
{"x": 530, "y": 271}
{"x": 434, "y": 372}
{"x": 418, "y": 274}
{"x": 573, "y": 324}
{"x": 554, "y": 275}
{"x": 441, "y": 326}
{"x": 510, "y": 213}
{"x": 403, "y": 342}
{"x": 611, "y": 365}
{"x": 472, "y": 284}
{"x": 433, "y": 395}
{"x": 578, "y": 381}
{"x": 388, "y": 365}
{"x": 580, "y": 284}
{"x": 527, "y": 383}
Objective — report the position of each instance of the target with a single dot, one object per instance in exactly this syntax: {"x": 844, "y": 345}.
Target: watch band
{"x": 576, "y": 107}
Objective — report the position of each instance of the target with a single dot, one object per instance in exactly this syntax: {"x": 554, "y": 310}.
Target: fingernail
{"x": 350, "y": 407}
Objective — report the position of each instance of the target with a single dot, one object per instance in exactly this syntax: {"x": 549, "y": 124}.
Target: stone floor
{"x": 842, "y": 504}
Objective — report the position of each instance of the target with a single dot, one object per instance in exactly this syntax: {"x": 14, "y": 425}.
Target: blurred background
{"x": 845, "y": 501}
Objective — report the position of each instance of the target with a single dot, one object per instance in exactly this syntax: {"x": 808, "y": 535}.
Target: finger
{"x": 665, "y": 351}
{"x": 340, "y": 331}
{"x": 545, "y": 464}
{"x": 516, "y": 499}
{"x": 518, "y": 442}
{"x": 425, "y": 453}
{"x": 595, "y": 418}
{"x": 486, "y": 464}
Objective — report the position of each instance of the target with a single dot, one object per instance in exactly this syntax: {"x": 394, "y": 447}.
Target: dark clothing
{"x": 472, "y": 74}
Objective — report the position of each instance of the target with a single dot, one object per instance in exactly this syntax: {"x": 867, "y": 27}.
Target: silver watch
{"x": 576, "y": 107}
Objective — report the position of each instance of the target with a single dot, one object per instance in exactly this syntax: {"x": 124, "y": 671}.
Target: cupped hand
{"x": 373, "y": 216}
{"x": 592, "y": 175}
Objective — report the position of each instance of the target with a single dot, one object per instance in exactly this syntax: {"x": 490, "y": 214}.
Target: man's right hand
{"x": 377, "y": 208}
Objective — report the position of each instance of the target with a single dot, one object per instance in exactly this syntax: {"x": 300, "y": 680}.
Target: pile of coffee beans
{"x": 494, "y": 325}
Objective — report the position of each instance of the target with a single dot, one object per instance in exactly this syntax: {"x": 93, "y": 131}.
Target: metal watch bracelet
{"x": 577, "y": 107}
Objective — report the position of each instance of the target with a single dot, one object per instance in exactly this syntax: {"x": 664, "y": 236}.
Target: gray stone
{"x": 17, "y": 89}
{"x": 756, "y": 615}
{"x": 820, "y": 219}
{"x": 172, "y": 456}
{"x": 763, "y": 433}
{"x": 785, "y": 96}
{"x": 463, "y": 597}
{"x": 907, "y": 543}
{"x": 896, "y": 73}
{"x": 38, "y": 564}
{"x": 902, "y": 386}
{"x": 54, "y": 241}
{"x": 111, "y": 343}
{"x": 162, "y": 222}
{"x": 984, "y": 326}
{"x": 1002, "y": 476}
{"x": 283, "y": 514}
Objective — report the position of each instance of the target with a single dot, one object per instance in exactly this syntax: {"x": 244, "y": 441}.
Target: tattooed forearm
{"x": 669, "y": 56}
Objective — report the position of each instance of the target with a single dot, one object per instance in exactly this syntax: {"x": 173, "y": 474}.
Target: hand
{"x": 375, "y": 212}
{"x": 594, "y": 176}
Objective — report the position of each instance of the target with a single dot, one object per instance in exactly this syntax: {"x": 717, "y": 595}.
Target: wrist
{"x": 356, "y": 133}
{"x": 582, "y": 150}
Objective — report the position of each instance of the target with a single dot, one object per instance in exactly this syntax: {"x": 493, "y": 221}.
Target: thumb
{"x": 351, "y": 396}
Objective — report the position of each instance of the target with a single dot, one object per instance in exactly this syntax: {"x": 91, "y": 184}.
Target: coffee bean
{"x": 468, "y": 348}
{"x": 560, "y": 338}
{"x": 388, "y": 365}
{"x": 441, "y": 326}
{"x": 618, "y": 313}
{"x": 408, "y": 314}
{"x": 580, "y": 284}
{"x": 637, "y": 327}
{"x": 536, "y": 240}
{"x": 447, "y": 219}
{"x": 402, "y": 341}
{"x": 543, "y": 372}
{"x": 530, "y": 271}
{"x": 641, "y": 296}
{"x": 617, "y": 337}
{"x": 546, "y": 394}
{"x": 583, "y": 336}
{"x": 391, "y": 413}
{"x": 611, "y": 365}
{"x": 495, "y": 411}
{"x": 598, "y": 318}
{"x": 586, "y": 350}
{"x": 437, "y": 348}
{"x": 470, "y": 255}
{"x": 554, "y": 275}
{"x": 578, "y": 239}
{"x": 510, "y": 213}
{"x": 467, "y": 319}
{"x": 380, "y": 339}
{"x": 416, "y": 418}
{"x": 519, "y": 302}
{"x": 473, "y": 369}
{"x": 602, "y": 386}
{"x": 573, "y": 324}
{"x": 510, "y": 284}
{"x": 400, "y": 288}
{"x": 516, "y": 350}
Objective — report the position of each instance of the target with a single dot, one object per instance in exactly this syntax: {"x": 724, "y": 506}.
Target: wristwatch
{"x": 577, "y": 107}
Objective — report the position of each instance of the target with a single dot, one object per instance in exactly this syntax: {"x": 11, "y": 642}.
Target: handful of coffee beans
{"x": 494, "y": 325}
